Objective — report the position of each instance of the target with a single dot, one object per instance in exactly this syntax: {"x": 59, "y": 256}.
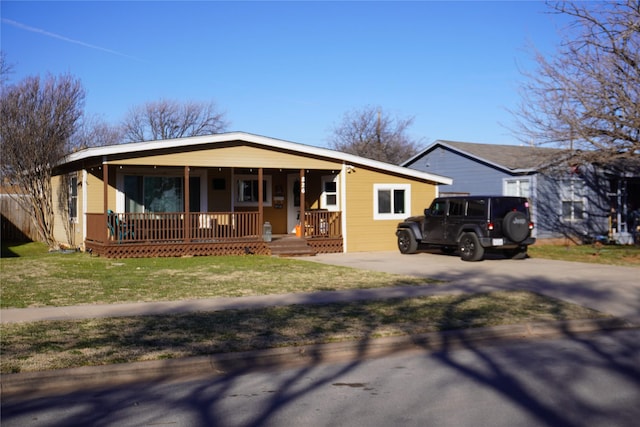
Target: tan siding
{"x": 366, "y": 234}
{"x": 243, "y": 157}
{"x": 95, "y": 191}
{"x": 65, "y": 232}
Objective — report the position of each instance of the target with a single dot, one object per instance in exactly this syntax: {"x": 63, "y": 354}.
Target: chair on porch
{"x": 122, "y": 229}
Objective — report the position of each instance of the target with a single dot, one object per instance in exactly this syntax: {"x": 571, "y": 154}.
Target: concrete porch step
{"x": 290, "y": 246}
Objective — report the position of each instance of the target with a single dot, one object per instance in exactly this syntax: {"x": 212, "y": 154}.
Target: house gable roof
{"x": 208, "y": 141}
{"x": 510, "y": 158}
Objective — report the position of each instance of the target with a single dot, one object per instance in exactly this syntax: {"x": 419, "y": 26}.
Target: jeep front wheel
{"x": 407, "y": 242}
{"x": 470, "y": 248}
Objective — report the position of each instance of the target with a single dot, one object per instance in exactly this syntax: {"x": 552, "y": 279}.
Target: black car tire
{"x": 515, "y": 226}
{"x": 470, "y": 248}
{"x": 407, "y": 243}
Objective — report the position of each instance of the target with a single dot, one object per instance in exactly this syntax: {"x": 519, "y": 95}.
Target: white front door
{"x": 293, "y": 201}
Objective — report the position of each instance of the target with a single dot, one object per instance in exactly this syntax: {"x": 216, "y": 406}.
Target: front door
{"x": 293, "y": 201}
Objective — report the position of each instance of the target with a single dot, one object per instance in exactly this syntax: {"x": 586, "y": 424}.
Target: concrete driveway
{"x": 611, "y": 289}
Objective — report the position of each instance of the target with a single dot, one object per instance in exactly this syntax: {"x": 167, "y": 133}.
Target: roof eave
{"x": 97, "y": 152}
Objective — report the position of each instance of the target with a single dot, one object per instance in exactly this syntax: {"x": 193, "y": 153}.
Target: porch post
{"x": 105, "y": 198}
{"x": 303, "y": 228}
{"x": 187, "y": 214}
{"x": 260, "y": 202}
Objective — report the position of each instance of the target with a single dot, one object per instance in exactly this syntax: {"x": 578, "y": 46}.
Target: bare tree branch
{"x": 167, "y": 119}
{"x": 370, "y": 133}
{"x": 587, "y": 96}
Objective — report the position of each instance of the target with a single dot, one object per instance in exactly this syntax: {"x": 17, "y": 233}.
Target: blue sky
{"x": 290, "y": 70}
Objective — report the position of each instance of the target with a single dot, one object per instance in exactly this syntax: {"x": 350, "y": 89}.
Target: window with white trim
{"x": 573, "y": 200}
{"x": 518, "y": 187}
{"x": 391, "y": 201}
{"x": 246, "y": 190}
{"x": 329, "y": 198}
{"x": 73, "y": 198}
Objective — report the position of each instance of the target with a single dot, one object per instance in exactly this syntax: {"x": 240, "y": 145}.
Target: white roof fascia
{"x": 138, "y": 147}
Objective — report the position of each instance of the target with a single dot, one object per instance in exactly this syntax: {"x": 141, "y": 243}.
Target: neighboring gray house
{"x": 577, "y": 201}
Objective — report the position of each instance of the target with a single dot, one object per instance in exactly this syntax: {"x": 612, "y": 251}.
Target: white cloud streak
{"x": 63, "y": 38}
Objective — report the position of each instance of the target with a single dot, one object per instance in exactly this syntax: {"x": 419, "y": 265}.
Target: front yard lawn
{"x": 37, "y": 278}
{"x": 41, "y": 346}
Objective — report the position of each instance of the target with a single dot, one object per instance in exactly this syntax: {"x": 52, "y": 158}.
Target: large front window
{"x": 153, "y": 193}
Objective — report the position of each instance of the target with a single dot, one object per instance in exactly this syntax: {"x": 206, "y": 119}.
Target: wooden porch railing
{"x": 202, "y": 227}
{"x": 170, "y": 227}
{"x": 323, "y": 224}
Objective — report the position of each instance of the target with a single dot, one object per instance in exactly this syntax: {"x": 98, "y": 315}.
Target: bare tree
{"x": 5, "y": 68}
{"x": 95, "y": 132}
{"x": 587, "y": 96}
{"x": 38, "y": 119}
{"x": 372, "y": 134}
{"x": 167, "y": 119}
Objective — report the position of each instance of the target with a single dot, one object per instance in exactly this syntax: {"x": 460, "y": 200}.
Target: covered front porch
{"x": 166, "y": 212}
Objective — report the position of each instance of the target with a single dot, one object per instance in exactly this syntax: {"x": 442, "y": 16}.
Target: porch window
{"x": 329, "y": 197}
{"x": 391, "y": 201}
{"x": 247, "y": 190}
{"x": 153, "y": 193}
{"x": 73, "y": 198}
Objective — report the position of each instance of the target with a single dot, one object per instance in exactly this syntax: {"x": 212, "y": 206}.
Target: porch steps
{"x": 290, "y": 246}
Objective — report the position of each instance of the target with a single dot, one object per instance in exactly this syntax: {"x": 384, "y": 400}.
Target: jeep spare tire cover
{"x": 515, "y": 226}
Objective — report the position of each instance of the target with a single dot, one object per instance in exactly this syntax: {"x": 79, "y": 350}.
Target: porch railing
{"x": 171, "y": 227}
{"x": 322, "y": 224}
{"x": 201, "y": 226}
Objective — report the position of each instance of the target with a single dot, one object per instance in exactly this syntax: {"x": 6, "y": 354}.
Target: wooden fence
{"x": 16, "y": 224}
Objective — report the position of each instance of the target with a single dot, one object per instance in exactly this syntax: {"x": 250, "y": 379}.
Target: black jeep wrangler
{"x": 470, "y": 224}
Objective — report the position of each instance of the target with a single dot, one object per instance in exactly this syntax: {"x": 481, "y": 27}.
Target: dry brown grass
{"x": 62, "y": 344}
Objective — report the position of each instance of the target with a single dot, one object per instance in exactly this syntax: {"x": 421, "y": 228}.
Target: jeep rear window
{"x": 501, "y": 207}
{"x": 475, "y": 208}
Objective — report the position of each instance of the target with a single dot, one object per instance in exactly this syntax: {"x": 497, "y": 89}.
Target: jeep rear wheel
{"x": 407, "y": 242}
{"x": 470, "y": 248}
{"x": 515, "y": 226}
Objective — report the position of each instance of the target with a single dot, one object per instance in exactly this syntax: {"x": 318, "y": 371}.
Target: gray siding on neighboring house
{"x": 590, "y": 215}
{"x": 469, "y": 175}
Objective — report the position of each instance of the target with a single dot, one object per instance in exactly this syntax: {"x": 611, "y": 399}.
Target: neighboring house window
{"x": 73, "y": 198}
{"x": 572, "y": 192}
{"x": 391, "y": 201}
{"x": 329, "y": 198}
{"x": 519, "y": 187}
{"x": 247, "y": 190}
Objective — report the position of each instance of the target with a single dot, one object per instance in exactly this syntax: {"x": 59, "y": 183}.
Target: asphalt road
{"x": 591, "y": 380}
